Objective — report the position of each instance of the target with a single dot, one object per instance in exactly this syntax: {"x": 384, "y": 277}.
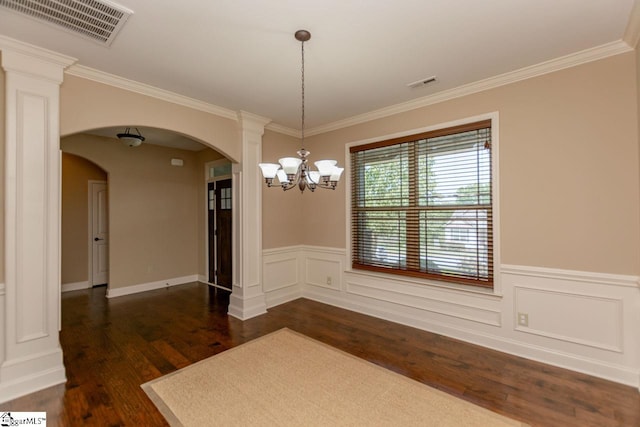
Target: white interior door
{"x": 100, "y": 234}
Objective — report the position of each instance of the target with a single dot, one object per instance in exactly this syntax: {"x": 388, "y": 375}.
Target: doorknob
{"x": 96, "y": 239}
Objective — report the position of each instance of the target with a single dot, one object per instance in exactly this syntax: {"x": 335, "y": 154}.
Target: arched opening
{"x": 157, "y": 206}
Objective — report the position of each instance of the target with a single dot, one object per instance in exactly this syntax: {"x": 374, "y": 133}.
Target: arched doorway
{"x": 157, "y": 225}
{"x": 85, "y": 225}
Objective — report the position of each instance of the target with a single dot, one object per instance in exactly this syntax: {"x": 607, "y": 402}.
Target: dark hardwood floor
{"x": 113, "y": 346}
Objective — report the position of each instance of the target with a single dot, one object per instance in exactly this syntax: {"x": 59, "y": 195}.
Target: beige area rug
{"x": 288, "y": 379}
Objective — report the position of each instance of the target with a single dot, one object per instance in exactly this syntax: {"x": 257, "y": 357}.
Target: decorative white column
{"x": 31, "y": 357}
{"x": 247, "y": 298}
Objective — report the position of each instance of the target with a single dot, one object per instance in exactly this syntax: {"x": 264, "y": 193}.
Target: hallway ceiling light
{"x": 130, "y": 139}
{"x": 294, "y": 171}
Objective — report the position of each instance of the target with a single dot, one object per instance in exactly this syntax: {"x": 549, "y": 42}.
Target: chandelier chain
{"x": 302, "y": 125}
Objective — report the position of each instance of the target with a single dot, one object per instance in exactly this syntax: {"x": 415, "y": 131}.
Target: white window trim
{"x": 495, "y": 183}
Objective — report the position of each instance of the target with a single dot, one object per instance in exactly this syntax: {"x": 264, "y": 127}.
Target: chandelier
{"x": 295, "y": 171}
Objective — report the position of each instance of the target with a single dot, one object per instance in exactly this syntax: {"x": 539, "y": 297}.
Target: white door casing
{"x": 99, "y": 233}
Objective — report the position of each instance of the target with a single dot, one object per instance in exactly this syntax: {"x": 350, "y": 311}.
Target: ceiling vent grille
{"x": 99, "y": 21}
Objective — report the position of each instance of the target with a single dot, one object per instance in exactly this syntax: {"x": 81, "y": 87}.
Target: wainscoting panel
{"x": 323, "y": 267}
{"x": 584, "y": 321}
{"x": 444, "y": 307}
{"x": 281, "y": 275}
{"x": 323, "y": 273}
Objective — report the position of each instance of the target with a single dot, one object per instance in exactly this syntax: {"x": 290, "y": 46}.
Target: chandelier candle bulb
{"x": 314, "y": 177}
{"x": 290, "y": 165}
{"x": 269, "y": 170}
{"x": 325, "y": 167}
{"x": 282, "y": 177}
{"x": 335, "y": 174}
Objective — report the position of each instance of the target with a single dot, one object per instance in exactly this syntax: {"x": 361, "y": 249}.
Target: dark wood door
{"x": 223, "y": 232}
{"x": 211, "y": 218}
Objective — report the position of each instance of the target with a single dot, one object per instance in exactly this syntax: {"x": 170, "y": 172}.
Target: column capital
{"x": 38, "y": 62}
{"x": 249, "y": 122}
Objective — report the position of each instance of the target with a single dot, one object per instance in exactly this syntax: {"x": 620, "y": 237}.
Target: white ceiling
{"x": 241, "y": 54}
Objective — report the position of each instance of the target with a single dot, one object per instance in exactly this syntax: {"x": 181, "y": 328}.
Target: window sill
{"x": 489, "y": 293}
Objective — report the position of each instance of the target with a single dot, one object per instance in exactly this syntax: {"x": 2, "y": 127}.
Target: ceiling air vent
{"x": 418, "y": 83}
{"x": 99, "y": 21}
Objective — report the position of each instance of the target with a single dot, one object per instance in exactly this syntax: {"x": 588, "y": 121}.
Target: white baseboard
{"x": 245, "y": 308}
{"x": 282, "y": 295}
{"x": 32, "y": 384}
{"x": 144, "y": 287}
{"x": 28, "y": 375}
{"x": 204, "y": 279}
{"x": 75, "y": 286}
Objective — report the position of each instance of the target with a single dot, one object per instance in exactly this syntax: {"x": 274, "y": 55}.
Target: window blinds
{"x": 422, "y": 205}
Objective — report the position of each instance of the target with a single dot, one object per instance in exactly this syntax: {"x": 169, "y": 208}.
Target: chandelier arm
{"x": 327, "y": 186}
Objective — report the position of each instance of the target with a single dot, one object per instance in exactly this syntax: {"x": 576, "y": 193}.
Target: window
{"x": 422, "y": 205}
{"x": 225, "y": 198}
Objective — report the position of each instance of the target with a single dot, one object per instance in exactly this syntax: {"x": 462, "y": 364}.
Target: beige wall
{"x": 86, "y": 105}
{"x": 569, "y": 190}
{"x": 637, "y": 56}
{"x": 152, "y": 209}
{"x": 76, "y": 174}
{"x": 2, "y": 137}
{"x": 282, "y": 213}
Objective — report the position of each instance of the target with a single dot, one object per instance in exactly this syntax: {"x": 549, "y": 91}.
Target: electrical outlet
{"x": 329, "y": 280}
{"x": 523, "y": 319}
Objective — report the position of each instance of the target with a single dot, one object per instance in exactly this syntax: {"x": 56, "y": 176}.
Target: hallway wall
{"x": 152, "y": 210}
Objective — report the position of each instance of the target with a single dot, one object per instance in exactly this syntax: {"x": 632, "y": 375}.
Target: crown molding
{"x": 252, "y": 122}
{"x": 152, "y": 91}
{"x": 283, "y": 130}
{"x": 165, "y": 95}
{"x": 7, "y": 43}
{"x": 568, "y": 61}
{"x": 632, "y": 33}
{"x": 631, "y": 38}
